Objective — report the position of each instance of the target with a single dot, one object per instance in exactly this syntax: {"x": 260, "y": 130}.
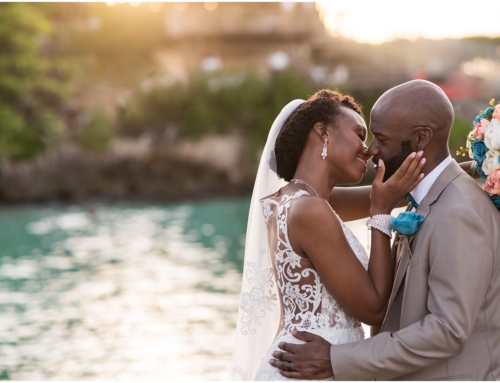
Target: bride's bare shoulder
{"x": 312, "y": 210}
{"x": 314, "y": 228}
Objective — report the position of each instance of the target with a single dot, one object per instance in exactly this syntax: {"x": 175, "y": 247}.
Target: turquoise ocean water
{"x": 121, "y": 291}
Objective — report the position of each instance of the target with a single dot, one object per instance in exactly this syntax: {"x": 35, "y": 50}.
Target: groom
{"x": 443, "y": 318}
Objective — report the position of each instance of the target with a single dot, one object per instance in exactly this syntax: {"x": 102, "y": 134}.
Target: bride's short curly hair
{"x": 324, "y": 106}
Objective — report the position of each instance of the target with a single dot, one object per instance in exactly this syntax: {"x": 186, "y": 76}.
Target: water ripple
{"x": 123, "y": 293}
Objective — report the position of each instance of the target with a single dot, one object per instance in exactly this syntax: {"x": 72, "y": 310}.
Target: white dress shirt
{"x": 424, "y": 186}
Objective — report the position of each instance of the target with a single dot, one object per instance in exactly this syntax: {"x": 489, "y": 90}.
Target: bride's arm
{"x": 317, "y": 233}
{"x": 352, "y": 203}
{"x": 466, "y": 167}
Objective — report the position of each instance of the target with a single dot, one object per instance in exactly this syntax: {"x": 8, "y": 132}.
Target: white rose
{"x": 491, "y": 162}
{"x": 492, "y": 135}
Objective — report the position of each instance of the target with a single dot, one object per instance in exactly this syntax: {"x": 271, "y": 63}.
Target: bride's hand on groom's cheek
{"x": 310, "y": 361}
{"x": 385, "y": 196}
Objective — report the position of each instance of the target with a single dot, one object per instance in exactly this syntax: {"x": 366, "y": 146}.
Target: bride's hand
{"x": 385, "y": 196}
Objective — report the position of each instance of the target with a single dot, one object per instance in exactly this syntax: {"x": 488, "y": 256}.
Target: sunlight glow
{"x": 210, "y": 6}
{"x": 375, "y": 22}
{"x": 480, "y": 67}
{"x": 181, "y": 7}
{"x": 156, "y": 7}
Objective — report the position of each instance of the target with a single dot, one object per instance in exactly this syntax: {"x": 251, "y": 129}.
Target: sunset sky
{"x": 382, "y": 20}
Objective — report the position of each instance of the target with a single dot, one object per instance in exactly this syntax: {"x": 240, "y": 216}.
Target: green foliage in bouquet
{"x": 460, "y": 129}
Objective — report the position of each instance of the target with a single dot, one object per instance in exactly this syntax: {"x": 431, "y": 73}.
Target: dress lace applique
{"x": 306, "y": 303}
{"x": 259, "y": 298}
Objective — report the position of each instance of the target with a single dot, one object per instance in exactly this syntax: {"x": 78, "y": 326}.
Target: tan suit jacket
{"x": 443, "y": 319}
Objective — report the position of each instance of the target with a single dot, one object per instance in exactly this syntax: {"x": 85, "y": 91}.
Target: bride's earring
{"x": 324, "y": 153}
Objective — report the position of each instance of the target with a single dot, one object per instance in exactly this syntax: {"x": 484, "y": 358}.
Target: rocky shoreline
{"x": 69, "y": 174}
{"x": 137, "y": 170}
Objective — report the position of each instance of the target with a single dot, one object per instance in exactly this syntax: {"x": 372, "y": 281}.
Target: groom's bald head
{"x": 413, "y": 116}
{"x": 417, "y": 103}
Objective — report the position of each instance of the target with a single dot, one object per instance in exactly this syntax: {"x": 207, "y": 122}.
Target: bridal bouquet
{"x": 483, "y": 145}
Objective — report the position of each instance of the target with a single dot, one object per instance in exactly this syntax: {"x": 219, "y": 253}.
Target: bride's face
{"x": 348, "y": 149}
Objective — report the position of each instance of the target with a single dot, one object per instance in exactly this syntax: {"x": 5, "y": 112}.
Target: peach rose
{"x": 492, "y": 184}
{"x": 480, "y": 128}
{"x": 496, "y": 112}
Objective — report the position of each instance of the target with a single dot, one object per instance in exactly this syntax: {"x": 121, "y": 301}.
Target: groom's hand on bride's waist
{"x": 304, "y": 361}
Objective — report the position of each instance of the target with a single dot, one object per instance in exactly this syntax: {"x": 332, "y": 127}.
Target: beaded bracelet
{"x": 381, "y": 222}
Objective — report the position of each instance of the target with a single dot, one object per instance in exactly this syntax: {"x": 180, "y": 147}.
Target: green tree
{"x": 97, "y": 134}
{"x": 116, "y": 44}
{"x": 214, "y": 103}
{"x": 282, "y": 88}
{"x": 33, "y": 82}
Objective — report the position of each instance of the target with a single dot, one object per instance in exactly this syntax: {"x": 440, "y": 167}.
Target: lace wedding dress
{"x": 306, "y": 305}
{"x": 281, "y": 291}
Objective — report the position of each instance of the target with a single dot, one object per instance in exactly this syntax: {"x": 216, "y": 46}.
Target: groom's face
{"x": 391, "y": 143}
{"x": 392, "y": 164}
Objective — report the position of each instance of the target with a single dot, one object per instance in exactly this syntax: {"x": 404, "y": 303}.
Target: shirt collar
{"x": 424, "y": 186}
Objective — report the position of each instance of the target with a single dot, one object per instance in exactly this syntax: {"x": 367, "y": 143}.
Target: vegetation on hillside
{"x": 49, "y": 52}
{"x": 34, "y": 82}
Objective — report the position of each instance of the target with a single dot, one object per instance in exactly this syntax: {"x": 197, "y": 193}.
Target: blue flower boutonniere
{"x": 406, "y": 223}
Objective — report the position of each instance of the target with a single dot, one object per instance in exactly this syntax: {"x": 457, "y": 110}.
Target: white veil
{"x": 259, "y": 310}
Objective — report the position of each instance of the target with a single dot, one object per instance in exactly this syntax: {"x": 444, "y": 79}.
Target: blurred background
{"x": 130, "y": 134}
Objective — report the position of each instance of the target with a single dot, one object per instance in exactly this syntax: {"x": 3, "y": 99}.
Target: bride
{"x": 304, "y": 269}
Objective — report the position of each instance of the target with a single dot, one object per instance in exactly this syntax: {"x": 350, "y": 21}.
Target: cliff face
{"x": 138, "y": 169}
{"x": 141, "y": 169}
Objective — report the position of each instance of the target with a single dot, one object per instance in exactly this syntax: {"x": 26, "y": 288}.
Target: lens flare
{"x": 181, "y": 7}
{"x": 156, "y": 7}
{"x": 210, "y": 6}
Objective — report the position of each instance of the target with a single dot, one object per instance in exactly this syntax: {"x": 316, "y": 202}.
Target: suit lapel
{"x": 452, "y": 171}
